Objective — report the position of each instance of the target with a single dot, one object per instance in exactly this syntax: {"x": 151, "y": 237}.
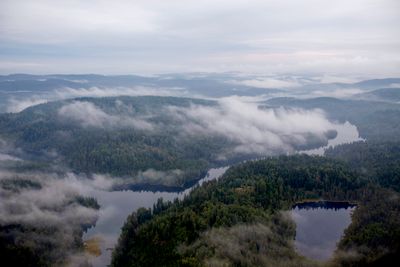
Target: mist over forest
{"x": 200, "y": 133}
{"x": 64, "y": 140}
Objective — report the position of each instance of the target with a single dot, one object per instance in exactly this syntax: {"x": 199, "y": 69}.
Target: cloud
{"x": 48, "y": 203}
{"x": 338, "y": 79}
{"x": 87, "y": 114}
{"x": 338, "y": 93}
{"x": 267, "y": 83}
{"x": 73, "y": 19}
{"x": 255, "y": 129}
{"x": 395, "y": 85}
{"x": 17, "y": 105}
{"x": 158, "y": 36}
{"x": 117, "y": 91}
{"x": 8, "y": 152}
{"x": 6, "y": 157}
{"x": 42, "y": 213}
{"x": 159, "y": 177}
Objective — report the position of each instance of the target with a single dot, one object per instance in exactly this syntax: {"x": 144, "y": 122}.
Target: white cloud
{"x": 395, "y": 85}
{"x": 49, "y": 22}
{"x": 8, "y": 151}
{"x": 345, "y": 37}
{"x": 338, "y": 79}
{"x": 117, "y": 91}
{"x": 17, "y": 105}
{"x": 6, "y": 157}
{"x": 89, "y": 115}
{"x": 267, "y": 83}
{"x": 338, "y": 93}
{"x": 255, "y": 130}
{"x": 159, "y": 177}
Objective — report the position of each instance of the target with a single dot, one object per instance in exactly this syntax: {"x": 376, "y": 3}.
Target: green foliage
{"x": 258, "y": 244}
{"x": 119, "y": 151}
{"x": 251, "y": 193}
{"x": 88, "y": 202}
{"x": 19, "y": 184}
{"x": 379, "y": 161}
{"x": 36, "y": 245}
{"x": 374, "y": 233}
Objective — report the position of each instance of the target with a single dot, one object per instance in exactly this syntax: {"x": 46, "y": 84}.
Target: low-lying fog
{"x": 47, "y": 198}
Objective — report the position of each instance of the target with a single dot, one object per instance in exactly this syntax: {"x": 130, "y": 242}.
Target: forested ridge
{"x": 127, "y": 137}
{"x": 250, "y": 198}
{"x": 379, "y": 161}
{"x": 119, "y": 151}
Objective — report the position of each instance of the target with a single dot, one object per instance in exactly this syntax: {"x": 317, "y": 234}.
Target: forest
{"x": 127, "y": 137}
{"x": 150, "y": 143}
{"x": 117, "y": 150}
{"x": 240, "y": 220}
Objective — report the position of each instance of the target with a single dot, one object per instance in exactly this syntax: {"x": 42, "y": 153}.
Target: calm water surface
{"x": 319, "y": 226}
{"x": 117, "y": 205}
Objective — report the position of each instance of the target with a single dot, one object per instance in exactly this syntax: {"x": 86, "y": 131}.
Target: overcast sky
{"x": 341, "y": 37}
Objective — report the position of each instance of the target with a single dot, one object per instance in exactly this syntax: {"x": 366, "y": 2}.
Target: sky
{"x": 341, "y": 37}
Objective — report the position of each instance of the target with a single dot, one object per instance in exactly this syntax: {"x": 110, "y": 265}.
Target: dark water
{"x": 117, "y": 205}
{"x": 319, "y": 226}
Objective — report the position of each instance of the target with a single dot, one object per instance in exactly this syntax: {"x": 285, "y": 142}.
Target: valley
{"x": 134, "y": 162}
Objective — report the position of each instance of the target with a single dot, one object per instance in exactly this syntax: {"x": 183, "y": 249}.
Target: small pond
{"x": 319, "y": 226}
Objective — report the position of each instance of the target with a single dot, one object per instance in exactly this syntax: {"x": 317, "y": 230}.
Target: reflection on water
{"x": 117, "y": 205}
{"x": 319, "y": 226}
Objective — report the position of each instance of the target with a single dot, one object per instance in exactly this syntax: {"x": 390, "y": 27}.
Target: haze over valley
{"x": 223, "y": 133}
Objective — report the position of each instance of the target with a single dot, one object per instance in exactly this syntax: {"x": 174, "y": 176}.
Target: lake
{"x": 117, "y": 205}
{"x": 319, "y": 226}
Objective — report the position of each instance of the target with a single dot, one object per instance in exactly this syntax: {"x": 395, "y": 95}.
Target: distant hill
{"x": 31, "y": 88}
{"x": 207, "y": 86}
{"x": 378, "y": 83}
{"x": 375, "y": 120}
{"x": 384, "y": 94}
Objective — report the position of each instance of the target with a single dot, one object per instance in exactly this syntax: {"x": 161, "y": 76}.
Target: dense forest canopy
{"x": 151, "y": 140}
{"x": 379, "y": 161}
{"x": 250, "y": 198}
